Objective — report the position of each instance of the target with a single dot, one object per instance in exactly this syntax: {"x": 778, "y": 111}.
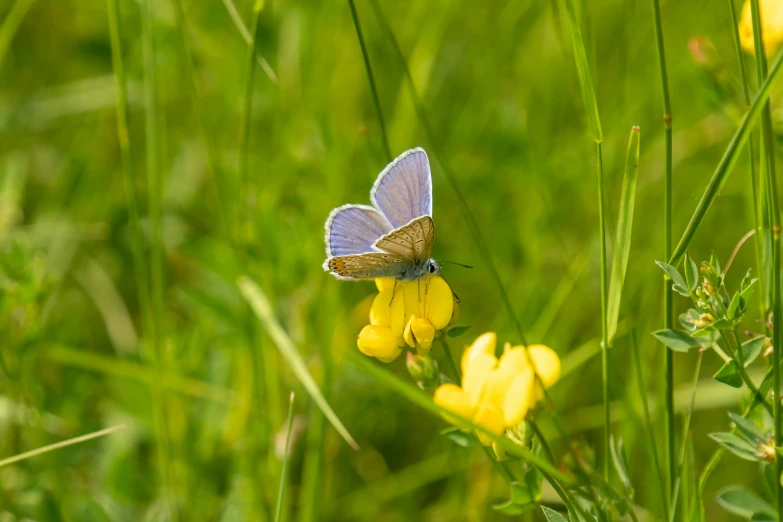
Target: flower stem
{"x": 604, "y": 327}
{"x": 667, "y": 249}
{"x": 774, "y": 210}
{"x": 449, "y": 359}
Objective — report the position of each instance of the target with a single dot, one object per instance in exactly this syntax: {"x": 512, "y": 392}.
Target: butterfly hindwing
{"x": 413, "y": 241}
{"x": 352, "y": 229}
{"x": 403, "y": 191}
{"x": 366, "y": 266}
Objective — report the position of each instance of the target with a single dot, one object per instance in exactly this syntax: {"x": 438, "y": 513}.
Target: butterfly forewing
{"x": 412, "y": 242}
{"x": 366, "y": 266}
{"x": 403, "y": 191}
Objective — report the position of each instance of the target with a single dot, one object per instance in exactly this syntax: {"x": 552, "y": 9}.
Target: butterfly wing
{"x": 412, "y": 242}
{"x": 365, "y": 266}
{"x": 403, "y": 191}
{"x": 352, "y": 229}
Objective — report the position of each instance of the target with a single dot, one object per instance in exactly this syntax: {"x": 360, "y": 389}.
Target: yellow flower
{"x": 771, "y": 12}
{"x": 406, "y": 314}
{"x": 497, "y": 393}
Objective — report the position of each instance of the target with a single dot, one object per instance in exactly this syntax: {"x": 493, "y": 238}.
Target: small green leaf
{"x": 457, "y": 436}
{"x": 677, "y": 340}
{"x": 734, "y": 306}
{"x": 620, "y": 461}
{"x": 729, "y": 374}
{"x": 683, "y": 291}
{"x": 509, "y": 508}
{"x": 743, "y": 502}
{"x": 456, "y": 331}
{"x": 521, "y": 494}
{"x": 552, "y": 515}
{"x": 673, "y": 274}
{"x": 740, "y": 447}
{"x": 763, "y": 517}
{"x": 747, "y": 428}
{"x": 752, "y": 348}
{"x": 691, "y": 272}
{"x": 747, "y": 289}
{"x": 715, "y": 264}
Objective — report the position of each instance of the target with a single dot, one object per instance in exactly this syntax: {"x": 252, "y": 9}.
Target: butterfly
{"x": 394, "y": 236}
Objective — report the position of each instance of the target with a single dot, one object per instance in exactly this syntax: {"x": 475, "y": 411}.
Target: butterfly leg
{"x": 394, "y": 291}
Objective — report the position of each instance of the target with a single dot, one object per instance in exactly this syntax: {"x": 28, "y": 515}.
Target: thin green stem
{"x": 667, "y": 226}
{"x": 685, "y": 429}
{"x": 734, "y": 349}
{"x": 126, "y": 166}
{"x": 61, "y": 444}
{"x": 286, "y": 456}
{"x": 774, "y": 209}
{"x": 455, "y": 374}
{"x": 368, "y": 69}
{"x": 245, "y": 190}
{"x": 156, "y": 257}
{"x": 604, "y": 320}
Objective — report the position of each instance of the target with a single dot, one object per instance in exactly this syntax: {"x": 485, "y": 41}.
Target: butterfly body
{"x": 394, "y": 236}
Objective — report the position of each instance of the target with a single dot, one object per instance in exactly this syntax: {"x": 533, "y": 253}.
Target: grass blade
{"x": 281, "y": 490}
{"x": 583, "y": 70}
{"x": 245, "y": 34}
{"x": 61, "y": 444}
{"x": 263, "y": 310}
{"x": 11, "y": 24}
{"x": 622, "y": 245}
{"x": 728, "y": 161}
{"x": 371, "y": 79}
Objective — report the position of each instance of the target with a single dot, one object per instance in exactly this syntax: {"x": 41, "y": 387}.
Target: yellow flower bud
{"x": 378, "y": 341}
{"x": 704, "y": 321}
{"x": 419, "y": 333}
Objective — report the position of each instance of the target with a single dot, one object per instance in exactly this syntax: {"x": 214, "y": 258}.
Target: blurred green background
{"x": 497, "y": 84}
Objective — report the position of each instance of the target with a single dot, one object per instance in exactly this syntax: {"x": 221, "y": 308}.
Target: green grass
{"x": 153, "y": 154}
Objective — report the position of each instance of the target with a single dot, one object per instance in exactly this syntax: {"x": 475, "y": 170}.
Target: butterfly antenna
{"x": 455, "y": 263}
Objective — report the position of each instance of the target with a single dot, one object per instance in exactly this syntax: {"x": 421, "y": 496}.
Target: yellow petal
{"x": 438, "y": 302}
{"x": 511, "y": 365}
{"x": 378, "y": 341}
{"x": 389, "y": 312}
{"x": 429, "y": 297}
{"x": 391, "y": 357}
{"x": 771, "y": 12}
{"x": 475, "y": 377}
{"x": 547, "y": 363}
{"x": 491, "y": 418}
{"x": 518, "y": 398}
{"x": 382, "y": 283}
{"x": 451, "y": 397}
{"x": 419, "y": 334}
{"x": 484, "y": 344}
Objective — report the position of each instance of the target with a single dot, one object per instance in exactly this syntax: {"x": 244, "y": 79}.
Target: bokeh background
{"x": 497, "y": 84}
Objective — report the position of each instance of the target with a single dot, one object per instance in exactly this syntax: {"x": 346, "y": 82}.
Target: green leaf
{"x": 677, "y": 340}
{"x": 729, "y": 160}
{"x": 521, "y": 494}
{"x": 286, "y": 455}
{"x": 734, "y": 306}
{"x": 740, "y": 447}
{"x": 729, "y": 374}
{"x": 552, "y": 515}
{"x": 620, "y": 461}
{"x": 622, "y": 249}
{"x": 743, "y": 502}
{"x": 510, "y": 508}
{"x": 691, "y": 272}
{"x": 763, "y": 517}
{"x": 747, "y": 428}
{"x": 679, "y": 286}
{"x": 456, "y": 331}
{"x": 583, "y": 70}
{"x": 747, "y": 290}
{"x": 752, "y": 348}
{"x": 263, "y": 310}
{"x": 457, "y": 436}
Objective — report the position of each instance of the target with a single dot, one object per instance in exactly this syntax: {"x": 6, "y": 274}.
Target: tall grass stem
{"x": 604, "y": 319}
{"x": 286, "y": 457}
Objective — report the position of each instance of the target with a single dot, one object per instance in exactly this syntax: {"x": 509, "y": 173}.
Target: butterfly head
{"x": 433, "y": 267}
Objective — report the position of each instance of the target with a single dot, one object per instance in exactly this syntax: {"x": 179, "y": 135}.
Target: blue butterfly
{"x": 394, "y": 236}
